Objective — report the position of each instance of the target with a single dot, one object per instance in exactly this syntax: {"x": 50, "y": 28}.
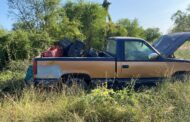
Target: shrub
{"x": 38, "y": 43}
{"x": 14, "y": 46}
{"x": 22, "y": 45}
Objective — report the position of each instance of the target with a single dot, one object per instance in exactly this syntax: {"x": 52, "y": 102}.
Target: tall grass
{"x": 166, "y": 102}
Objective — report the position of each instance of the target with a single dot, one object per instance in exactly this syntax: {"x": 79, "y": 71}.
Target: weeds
{"x": 166, "y": 102}
{"x": 169, "y": 101}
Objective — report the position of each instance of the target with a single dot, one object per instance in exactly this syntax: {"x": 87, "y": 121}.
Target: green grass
{"x": 170, "y": 103}
{"x": 166, "y": 102}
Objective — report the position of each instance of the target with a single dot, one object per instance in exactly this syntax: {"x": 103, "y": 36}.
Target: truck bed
{"x": 55, "y": 68}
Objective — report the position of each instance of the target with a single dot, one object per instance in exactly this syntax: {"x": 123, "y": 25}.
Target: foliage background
{"x": 42, "y": 22}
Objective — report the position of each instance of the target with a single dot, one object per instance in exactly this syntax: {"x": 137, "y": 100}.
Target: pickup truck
{"x": 125, "y": 58}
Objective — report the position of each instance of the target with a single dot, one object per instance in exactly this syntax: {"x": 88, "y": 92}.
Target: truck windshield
{"x": 111, "y": 47}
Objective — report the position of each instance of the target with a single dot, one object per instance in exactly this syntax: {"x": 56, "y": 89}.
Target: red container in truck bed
{"x": 53, "y": 52}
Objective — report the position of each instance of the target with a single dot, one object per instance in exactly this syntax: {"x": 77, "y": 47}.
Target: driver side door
{"x": 136, "y": 62}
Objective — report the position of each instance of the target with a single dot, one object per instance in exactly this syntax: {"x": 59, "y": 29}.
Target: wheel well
{"x": 85, "y": 77}
{"x": 180, "y": 76}
{"x": 180, "y": 73}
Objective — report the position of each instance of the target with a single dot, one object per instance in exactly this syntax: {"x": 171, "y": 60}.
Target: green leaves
{"x": 181, "y": 21}
{"x": 152, "y": 34}
{"x": 92, "y": 19}
{"x": 40, "y": 22}
{"x": 133, "y": 28}
{"x": 21, "y": 45}
{"x": 16, "y": 45}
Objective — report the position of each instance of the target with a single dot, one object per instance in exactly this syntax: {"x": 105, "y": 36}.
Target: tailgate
{"x": 46, "y": 70}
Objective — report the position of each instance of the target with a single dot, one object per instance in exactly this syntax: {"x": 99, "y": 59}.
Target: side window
{"x": 137, "y": 50}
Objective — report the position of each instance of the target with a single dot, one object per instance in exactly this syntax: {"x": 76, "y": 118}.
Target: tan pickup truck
{"x": 124, "y": 59}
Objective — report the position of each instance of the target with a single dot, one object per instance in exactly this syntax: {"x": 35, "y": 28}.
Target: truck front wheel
{"x": 181, "y": 76}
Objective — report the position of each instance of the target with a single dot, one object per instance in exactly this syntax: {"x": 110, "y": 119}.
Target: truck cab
{"x": 137, "y": 59}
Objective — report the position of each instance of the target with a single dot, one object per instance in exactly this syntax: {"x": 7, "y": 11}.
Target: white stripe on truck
{"x": 53, "y": 71}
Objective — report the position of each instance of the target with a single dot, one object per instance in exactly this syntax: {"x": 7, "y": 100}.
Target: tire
{"x": 181, "y": 76}
{"x": 79, "y": 82}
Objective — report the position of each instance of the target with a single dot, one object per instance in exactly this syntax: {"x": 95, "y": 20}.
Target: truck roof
{"x": 125, "y": 38}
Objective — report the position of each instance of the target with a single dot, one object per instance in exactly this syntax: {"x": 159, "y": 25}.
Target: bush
{"x": 19, "y": 66}
{"x": 38, "y": 43}
{"x": 14, "y": 46}
{"x": 22, "y": 45}
{"x": 11, "y": 79}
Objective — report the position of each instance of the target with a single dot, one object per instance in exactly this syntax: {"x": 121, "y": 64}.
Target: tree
{"x": 116, "y": 30}
{"x": 38, "y": 43}
{"x": 91, "y": 17}
{"x": 62, "y": 27}
{"x": 32, "y": 14}
{"x": 152, "y": 34}
{"x": 181, "y": 21}
{"x": 132, "y": 27}
{"x": 2, "y": 54}
{"x": 2, "y": 32}
{"x": 44, "y": 15}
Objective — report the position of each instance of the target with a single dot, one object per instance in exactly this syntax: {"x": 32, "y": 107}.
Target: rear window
{"x": 111, "y": 47}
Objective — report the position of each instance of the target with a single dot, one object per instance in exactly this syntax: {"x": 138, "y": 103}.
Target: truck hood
{"x": 168, "y": 44}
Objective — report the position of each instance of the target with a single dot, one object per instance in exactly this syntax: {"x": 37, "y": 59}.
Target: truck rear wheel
{"x": 81, "y": 80}
{"x": 81, "y": 83}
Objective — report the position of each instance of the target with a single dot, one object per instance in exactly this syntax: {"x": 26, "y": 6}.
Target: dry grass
{"x": 166, "y": 102}
{"x": 183, "y": 51}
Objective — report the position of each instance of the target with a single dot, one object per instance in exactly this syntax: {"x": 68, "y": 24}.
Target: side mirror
{"x": 153, "y": 56}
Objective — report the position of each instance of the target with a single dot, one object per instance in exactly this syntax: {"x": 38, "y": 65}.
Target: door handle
{"x": 125, "y": 66}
